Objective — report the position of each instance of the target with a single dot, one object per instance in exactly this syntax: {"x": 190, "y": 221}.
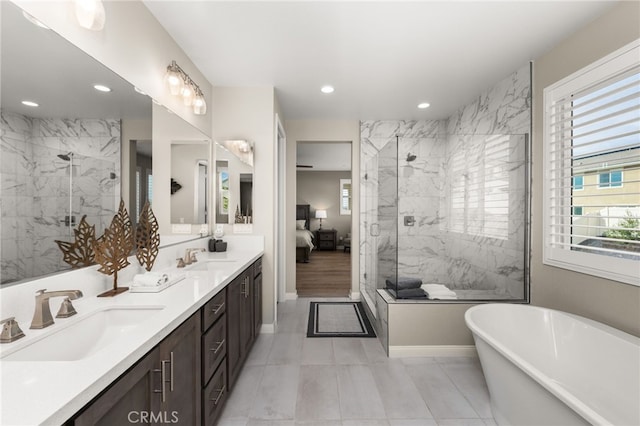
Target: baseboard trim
{"x": 291, "y": 296}
{"x": 432, "y": 350}
{"x": 267, "y": 329}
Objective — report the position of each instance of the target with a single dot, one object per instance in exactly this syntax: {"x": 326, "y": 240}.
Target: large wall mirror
{"x": 190, "y": 182}
{"x": 66, "y": 157}
{"x": 234, "y": 182}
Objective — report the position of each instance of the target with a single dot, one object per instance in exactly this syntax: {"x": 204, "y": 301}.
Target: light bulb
{"x": 199, "y": 105}
{"x": 174, "y": 79}
{"x": 187, "y": 95}
{"x": 90, "y": 14}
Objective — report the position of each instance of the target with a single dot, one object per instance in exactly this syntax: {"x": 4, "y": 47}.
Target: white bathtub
{"x": 546, "y": 367}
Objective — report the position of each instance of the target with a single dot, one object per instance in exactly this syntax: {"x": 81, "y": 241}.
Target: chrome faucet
{"x": 42, "y": 317}
{"x": 190, "y": 255}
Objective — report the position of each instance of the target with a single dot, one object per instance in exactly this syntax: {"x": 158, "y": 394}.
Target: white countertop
{"x": 36, "y": 392}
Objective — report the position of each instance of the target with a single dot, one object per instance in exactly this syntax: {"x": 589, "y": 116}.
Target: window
{"x": 345, "y": 196}
{"x": 610, "y": 180}
{"x": 592, "y": 142}
{"x": 578, "y": 183}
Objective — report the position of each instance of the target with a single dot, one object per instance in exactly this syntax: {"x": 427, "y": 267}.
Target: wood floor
{"x": 328, "y": 274}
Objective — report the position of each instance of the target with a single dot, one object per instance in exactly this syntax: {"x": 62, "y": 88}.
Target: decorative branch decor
{"x": 79, "y": 253}
{"x": 112, "y": 249}
{"x": 147, "y": 237}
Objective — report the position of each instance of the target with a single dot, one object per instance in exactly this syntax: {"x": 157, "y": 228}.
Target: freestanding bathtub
{"x": 546, "y": 367}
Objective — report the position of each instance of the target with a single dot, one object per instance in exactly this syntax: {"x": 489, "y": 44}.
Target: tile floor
{"x": 290, "y": 380}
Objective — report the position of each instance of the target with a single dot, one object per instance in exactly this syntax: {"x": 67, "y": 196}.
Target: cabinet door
{"x": 233, "y": 330}
{"x": 257, "y": 305}
{"x": 246, "y": 316}
{"x": 180, "y": 361}
{"x": 133, "y": 398}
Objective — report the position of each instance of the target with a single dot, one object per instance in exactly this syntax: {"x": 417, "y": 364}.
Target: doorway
{"x": 323, "y": 183}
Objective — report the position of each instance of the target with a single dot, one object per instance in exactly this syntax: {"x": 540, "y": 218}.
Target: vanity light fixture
{"x": 424, "y": 105}
{"x": 102, "y": 88}
{"x": 90, "y": 14}
{"x": 180, "y": 84}
{"x": 327, "y": 89}
{"x": 30, "y": 104}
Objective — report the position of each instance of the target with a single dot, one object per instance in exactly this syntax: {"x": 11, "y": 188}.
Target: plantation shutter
{"x": 592, "y": 166}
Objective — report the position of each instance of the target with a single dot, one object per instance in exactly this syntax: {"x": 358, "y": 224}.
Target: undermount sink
{"x": 85, "y": 336}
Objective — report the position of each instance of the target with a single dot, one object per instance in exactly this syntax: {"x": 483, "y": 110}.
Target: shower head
{"x": 66, "y": 157}
{"x": 410, "y": 157}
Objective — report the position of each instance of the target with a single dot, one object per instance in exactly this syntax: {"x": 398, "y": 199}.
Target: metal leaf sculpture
{"x": 79, "y": 253}
{"x": 112, "y": 249}
{"x": 147, "y": 237}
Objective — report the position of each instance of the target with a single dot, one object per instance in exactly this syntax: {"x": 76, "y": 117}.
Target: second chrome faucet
{"x": 42, "y": 316}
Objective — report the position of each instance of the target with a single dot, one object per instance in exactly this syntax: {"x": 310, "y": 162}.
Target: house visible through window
{"x": 592, "y": 168}
{"x": 610, "y": 179}
{"x": 578, "y": 183}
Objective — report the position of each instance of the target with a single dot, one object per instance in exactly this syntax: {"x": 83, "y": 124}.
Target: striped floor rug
{"x": 338, "y": 319}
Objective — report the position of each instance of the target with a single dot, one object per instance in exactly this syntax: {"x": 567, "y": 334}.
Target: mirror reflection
{"x": 189, "y": 181}
{"x": 234, "y": 182}
{"x": 61, "y": 137}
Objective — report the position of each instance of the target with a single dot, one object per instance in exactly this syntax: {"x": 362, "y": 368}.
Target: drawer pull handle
{"x": 220, "y": 344}
{"x": 171, "y": 375}
{"x": 217, "y": 308}
{"x": 220, "y": 393}
{"x": 163, "y": 378}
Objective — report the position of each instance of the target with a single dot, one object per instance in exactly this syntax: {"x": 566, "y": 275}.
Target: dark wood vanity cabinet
{"x": 161, "y": 388}
{"x": 239, "y": 323}
{"x": 186, "y": 379}
{"x": 257, "y": 297}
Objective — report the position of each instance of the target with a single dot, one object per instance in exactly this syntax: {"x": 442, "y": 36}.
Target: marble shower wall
{"x": 465, "y": 189}
{"x": 35, "y": 186}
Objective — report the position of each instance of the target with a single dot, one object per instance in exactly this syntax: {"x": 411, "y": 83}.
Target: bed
{"x": 304, "y": 237}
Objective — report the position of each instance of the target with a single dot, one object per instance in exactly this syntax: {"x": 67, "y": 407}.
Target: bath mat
{"x": 338, "y": 319}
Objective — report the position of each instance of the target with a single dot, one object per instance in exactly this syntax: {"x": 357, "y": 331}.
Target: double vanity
{"x": 166, "y": 357}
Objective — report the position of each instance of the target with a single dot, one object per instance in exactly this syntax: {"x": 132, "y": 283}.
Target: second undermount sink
{"x": 86, "y": 335}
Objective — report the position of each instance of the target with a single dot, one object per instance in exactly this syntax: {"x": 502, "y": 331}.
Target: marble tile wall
{"x": 35, "y": 186}
{"x": 465, "y": 190}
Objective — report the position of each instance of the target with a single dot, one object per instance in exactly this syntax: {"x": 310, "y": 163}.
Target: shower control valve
{"x": 409, "y": 221}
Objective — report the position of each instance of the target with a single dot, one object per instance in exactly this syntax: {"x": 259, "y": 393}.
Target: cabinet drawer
{"x": 214, "y": 349}
{"x": 326, "y": 245}
{"x": 214, "y": 396}
{"x": 326, "y": 237}
{"x": 213, "y": 310}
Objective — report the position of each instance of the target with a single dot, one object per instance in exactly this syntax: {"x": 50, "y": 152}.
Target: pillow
{"x": 300, "y": 224}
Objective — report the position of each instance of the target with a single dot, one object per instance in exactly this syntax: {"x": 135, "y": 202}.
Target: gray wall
{"x": 603, "y": 300}
{"x": 321, "y": 190}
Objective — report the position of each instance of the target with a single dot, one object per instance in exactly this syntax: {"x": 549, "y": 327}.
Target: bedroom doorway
{"x": 323, "y": 219}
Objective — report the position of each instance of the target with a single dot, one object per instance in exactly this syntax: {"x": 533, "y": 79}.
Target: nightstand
{"x": 326, "y": 239}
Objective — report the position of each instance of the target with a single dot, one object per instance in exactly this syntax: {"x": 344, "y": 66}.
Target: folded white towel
{"x": 439, "y": 291}
{"x": 150, "y": 279}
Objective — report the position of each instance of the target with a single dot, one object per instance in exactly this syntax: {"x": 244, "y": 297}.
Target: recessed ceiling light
{"x": 34, "y": 21}
{"x": 30, "y": 104}
{"x": 327, "y": 89}
{"x": 423, "y": 105}
{"x": 102, "y": 88}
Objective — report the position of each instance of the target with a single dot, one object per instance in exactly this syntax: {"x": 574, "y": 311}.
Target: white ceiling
{"x": 383, "y": 57}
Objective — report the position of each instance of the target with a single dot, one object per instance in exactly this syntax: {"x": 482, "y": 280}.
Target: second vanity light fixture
{"x": 180, "y": 84}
